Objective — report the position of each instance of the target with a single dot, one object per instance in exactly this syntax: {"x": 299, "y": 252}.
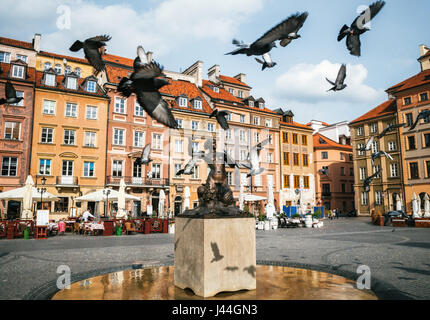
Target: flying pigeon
{"x": 390, "y": 128}
{"x": 144, "y": 158}
{"x": 379, "y": 155}
{"x": 253, "y": 157}
{"x": 368, "y": 145}
{"x": 323, "y": 171}
{"x": 10, "y": 93}
{"x": 215, "y": 251}
{"x": 286, "y": 31}
{"x": 220, "y": 117}
{"x": 423, "y": 115}
{"x": 369, "y": 180}
{"x": 358, "y": 27}
{"x": 267, "y": 61}
{"x": 146, "y": 83}
{"x": 339, "y": 84}
{"x": 141, "y": 59}
{"x": 92, "y": 52}
{"x": 189, "y": 167}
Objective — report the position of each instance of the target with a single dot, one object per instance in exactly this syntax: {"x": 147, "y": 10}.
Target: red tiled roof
{"x": 60, "y": 56}
{"x": 5, "y": 67}
{"x": 221, "y": 95}
{"x": 115, "y": 74}
{"x": 296, "y": 124}
{"x": 322, "y": 122}
{"x": 16, "y": 43}
{"x": 117, "y": 59}
{"x": 59, "y": 79}
{"x": 386, "y": 108}
{"x": 419, "y": 79}
{"x": 233, "y": 81}
{"x": 329, "y": 143}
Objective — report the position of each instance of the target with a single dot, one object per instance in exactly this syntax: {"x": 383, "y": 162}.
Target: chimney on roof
{"x": 213, "y": 73}
{"x": 241, "y": 77}
{"x": 149, "y": 56}
{"x": 36, "y": 42}
{"x": 196, "y": 71}
{"x": 423, "y": 50}
{"x": 425, "y": 63}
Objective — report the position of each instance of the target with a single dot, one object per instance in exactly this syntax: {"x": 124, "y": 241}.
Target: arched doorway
{"x": 155, "y": 199}
{"x": 178, "y": 206}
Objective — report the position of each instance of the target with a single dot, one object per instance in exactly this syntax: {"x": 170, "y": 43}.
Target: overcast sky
{"x": 180, "y": 32}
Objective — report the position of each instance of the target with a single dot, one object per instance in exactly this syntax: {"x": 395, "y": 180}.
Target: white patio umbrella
{"x": 416, "y": 210}
{"x": 122, "y": 213}
{"x": 27, "y": 213}
{"x": 398, "y": 203}
{"x": 426, "y": 206}
{"x": 99, "y": 196}
{"x": 251, "y": 198}
{"x": 18, "y": 195}
{"x": 187, "y": 195}
{"x": 161, "y": 199}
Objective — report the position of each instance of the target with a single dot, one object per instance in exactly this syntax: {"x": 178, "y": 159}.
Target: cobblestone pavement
{"x": 399, "y": 259}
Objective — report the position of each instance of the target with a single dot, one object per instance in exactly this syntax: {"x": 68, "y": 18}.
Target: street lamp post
{"x": 106, "y": 192}
{"x": 41, "y": 191}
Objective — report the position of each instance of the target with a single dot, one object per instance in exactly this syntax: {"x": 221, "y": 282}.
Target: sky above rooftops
{"x": 180, "y": 32}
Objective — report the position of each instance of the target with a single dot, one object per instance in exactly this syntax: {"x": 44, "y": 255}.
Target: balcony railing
{"x": 137, "y": 181}
{"x": 67, "y": 181}
{"x": 326, "y": 194}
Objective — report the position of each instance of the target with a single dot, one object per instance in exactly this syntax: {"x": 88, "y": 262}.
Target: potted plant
{"x": 261, "y": 218}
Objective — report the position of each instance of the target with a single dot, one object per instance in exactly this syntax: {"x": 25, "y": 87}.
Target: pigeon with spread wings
{"x": 144, "y": 158}
{"x": 92, "y": 52}
{"x": 221, "y": 118}
{"x": 379, "y": 154}
{"x": 286, "y": 31}
{"x": 267, "y": 61}
{"x": 390, "y": 128}
{"x": 254, "y": 159}
{"x": 369, "y": 180}
{"x": 422, "y": 115}
{"x": 358, "y": 27}
{"x": 10, "y": 92}
{"x": 339, "y": 84}
{"x": 368, "y": 145}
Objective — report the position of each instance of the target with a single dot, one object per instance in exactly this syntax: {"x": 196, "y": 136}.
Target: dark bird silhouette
{"x": 286, "y": 31}
{"x": 266, "y": 62}
{"x": 390, "y": 128}
{"x": 220, "y": 117}
{"x": 10, "y": 93}
{"x": 145, "y": 158}
{"x": 92, "y": 52}
{"x": 339, "y": 84}
{"x": 251, "y": 270}
{"x": 145, "y": 82}
{"x": 323, "y": 171}
{"x": 368, "y": 145}
{"x": 215, "y": 250}
{"x": 369, "y": 180}
{"x": 422, "y": 115}
{"x": 379, "y": 154}
{"x": 231, "y": 269}
{"x": 358, "y": 27}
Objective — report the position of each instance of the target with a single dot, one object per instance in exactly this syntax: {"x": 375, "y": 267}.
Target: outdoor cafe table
{"x": 95, "y": 228}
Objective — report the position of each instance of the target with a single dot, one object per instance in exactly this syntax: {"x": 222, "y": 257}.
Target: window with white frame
{"x": 228, "y": 117}
{"x": 47, "y": 66}
{"x": 71, "y": 110}
{"x": 179, "y": 123}
{"x": 215, "y": 89}
{"x": 22, "y": 57}
{"x": 375, "y": 147}
{"x": 182, "y": 102}
{"x": 91, "y": 86}
{"x": 45, "y": 167}
{"x": 91, "y": 112}
{"x": 178, "y": 167}
{"x": 270, "y": 137}
{"x": 156, "y": 171}
{"x": 195, "y": 125}
{"x": 392, "y": 146}
{"x": 257, "y": 121}
{"x": 360, "y": 131}
{"x": 251, "y": 103}
{"x": 138, "y": 139}
{"x": 9, "y": 166}
{"x": 18, "y": 71}
{"x": 156, "y": 141}
{"x": 119, "y": 105}
{"x": 211, "y": 127}
{"x": 242, "y": 118}
{"x": 78, "y": 72}
{"x": 67, "y": 70}
{"x": 364, "y": 198}
{"x": 228, "y": 134}
{"x": 19, "y": 94}
{"x": 72, "y": 83}
{"x": 48, "y": 107}
{"x": 230, "y": 178}
{"x": 243, "y": 155}
{"x": 50, "y": 79}
{"x": 69, "y": 137}
{"x": 240, "y": 94}
{"x": 378, "y": 198}
{"x": 118, "y": 137}
{"x": 269, "y": 123}
{"x": 269, "y": 157}
{"x": 12, "y": 130}
{"x": 242, "y": 136}
{"x": 117, "y": 168}
{"x": 374, "y": 128}
{"x": 362, "y": 173}
{"x": 90, "y": 139}
{"x": 257, "y": 180}
{"x": 89, "y": 169}
{"x": 139, "y": 111}
{"x": 394, "y": 169}
{"x": 195, "y": 147}
{"x": 375, "y": 170}
{"x": 58, "y": 68}
{"x": 195, "y": 174}
{"x": 4, "y": 57}
{"x": 198, "y": 104}
{"x": 178, "y": 146}
{"x": 47, "y": 135}
{"x": 256, "y": 137}
{"x": 361, "y": 146}
{"x": 231, "y": 91}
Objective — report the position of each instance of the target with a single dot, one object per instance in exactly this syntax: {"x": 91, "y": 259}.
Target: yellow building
{"x": 69, "y": 136}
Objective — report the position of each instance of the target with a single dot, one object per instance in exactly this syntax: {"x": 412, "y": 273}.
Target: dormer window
{"x": 215, "y": 89}
{"x": 67, "y": 70}
{"x": 91, "y": 86}
{"x": 289, "y": 119}
{"x": 183, "y": 102}
{"x": 240, "y": 94}
{"x": 251, "y": 104}
{"x": 78, "y": 72}
{"x": 58, "y": 68}
{"x": 18, "y": 71}
{"x": 261, "y": 105}
{"x": 47, "y": 66}
{"x": 72, "y": 83}
{"x": 50, "y": 79}
{"x": 22, "y": 57}
{"x": 4, "y": 57}
{"x": 198, "y": 104}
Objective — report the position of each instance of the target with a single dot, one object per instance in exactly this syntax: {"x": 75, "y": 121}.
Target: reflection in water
{"x": 273, "y": 283}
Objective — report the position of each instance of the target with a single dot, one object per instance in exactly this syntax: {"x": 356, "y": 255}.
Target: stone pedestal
{"x": 214, "y": 255}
